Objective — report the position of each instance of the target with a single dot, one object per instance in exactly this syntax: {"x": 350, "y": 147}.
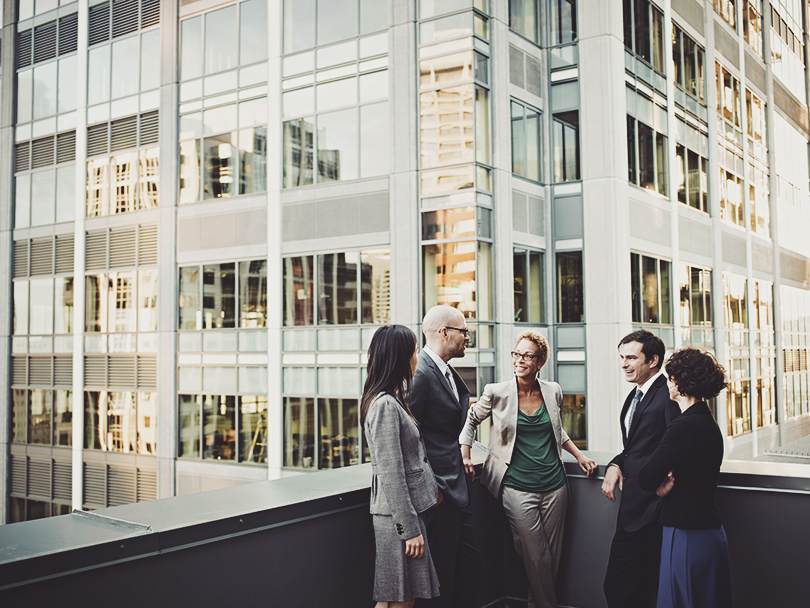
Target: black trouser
{"x": 458, "y": 562}
{"x": 631, "y": 580}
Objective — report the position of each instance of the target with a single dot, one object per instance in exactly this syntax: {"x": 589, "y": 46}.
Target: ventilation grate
{"x": 20, "y": 258}
{"x": 22, "y": 156}
{"x": 122, "y": 372}
{"x": 63, "y": 371}
{"x": 68, "y": 34}
{"x": 124, "y": 17}
{"x": 122, "y": 247}
{"x": 96, "y": 255}
{"x": 62, "y": 480}
{"x": 39, "y": 371}
{"x": 19, "y": 371}
{"x": 95, "y": 371}
{"x": 150, "y": 12}
{"x": 66, "y": 147}
{"x": 147, "y": 485}
{"x": 24, "y": 47}
{"x": 534, "y": 78}
{"x": 124, "y": 133}
{"x": 149, "y": 128}
{"x": 42, "y": 256}
{"x": 39, "y": 478}
{"x": 121, "y": 488}
{"x": 99, "y": 29}
{"x": 95, "y": 484}
{"x": 516, "y": 67}
{"x": 45, "y": 42}
{"x": 42, "y": 152}
{"x": 147, "y": 244}
{"x": 18, "y": 475}
{"x": 98, "y": 139}
{"x": 147, "y": 372}
{"x": 64, "y": 253}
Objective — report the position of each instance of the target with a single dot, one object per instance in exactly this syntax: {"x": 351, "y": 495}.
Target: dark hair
{"x": 389, "y": 365}
{"x": 651, "y": 344}
{"x": 696, "y": 374}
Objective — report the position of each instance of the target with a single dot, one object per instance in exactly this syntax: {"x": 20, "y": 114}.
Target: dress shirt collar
{"x": 438, "y": 360}
{"x": 644, "y": 388}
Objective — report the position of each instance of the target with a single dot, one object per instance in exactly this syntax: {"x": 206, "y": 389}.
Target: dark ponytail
{"x": 389, "y": 365}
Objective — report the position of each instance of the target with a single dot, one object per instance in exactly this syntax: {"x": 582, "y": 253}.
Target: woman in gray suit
{"x": 403, "y": 486}
{"x": 523, "y": 465}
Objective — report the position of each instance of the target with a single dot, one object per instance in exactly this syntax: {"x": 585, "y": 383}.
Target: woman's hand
{"x": 439, "y": 498}
{"x": 587, "y": 465}
{"x": 666, "y": 487}
{"x": 415, "y": 547}
{"x": 466, "y": 458}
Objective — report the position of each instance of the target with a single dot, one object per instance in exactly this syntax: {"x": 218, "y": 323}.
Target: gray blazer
{"x": 501, "y": 402}
{"x": 402, "y": 484}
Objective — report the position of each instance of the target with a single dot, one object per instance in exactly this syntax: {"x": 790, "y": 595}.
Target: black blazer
{"x": 692, "y": 448}
{"x": 638, "y": 506}
{"x": 441, "y": 417}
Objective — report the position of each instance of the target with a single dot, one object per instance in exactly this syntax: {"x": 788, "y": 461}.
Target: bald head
{"x": 447, "y": 343}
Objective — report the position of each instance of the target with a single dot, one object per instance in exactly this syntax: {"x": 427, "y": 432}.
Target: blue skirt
{"x": 694, "y": 569}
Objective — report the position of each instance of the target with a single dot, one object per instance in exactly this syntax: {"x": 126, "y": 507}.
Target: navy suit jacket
{"x": 441, "y": 417}
{"x": 640, "y": 507}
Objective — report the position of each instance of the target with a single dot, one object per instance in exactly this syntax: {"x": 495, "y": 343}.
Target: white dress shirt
{"x": 443, "y": 367}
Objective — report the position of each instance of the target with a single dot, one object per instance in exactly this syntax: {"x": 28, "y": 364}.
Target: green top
{"x": 535, "y": 465}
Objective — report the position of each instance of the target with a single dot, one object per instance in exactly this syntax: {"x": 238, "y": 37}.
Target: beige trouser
{"x": 537, "y": 520}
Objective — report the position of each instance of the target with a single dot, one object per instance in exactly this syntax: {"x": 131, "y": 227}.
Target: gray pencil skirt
{"x": 397, "y": 577}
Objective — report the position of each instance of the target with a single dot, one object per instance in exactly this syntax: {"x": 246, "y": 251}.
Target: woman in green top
{"x": 523, "y": 466}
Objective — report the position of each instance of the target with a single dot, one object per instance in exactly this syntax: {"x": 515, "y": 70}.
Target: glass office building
{"x": 207, "y": 207}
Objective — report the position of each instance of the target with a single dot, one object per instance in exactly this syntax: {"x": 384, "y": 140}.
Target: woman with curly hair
{"x": 684, "y": 469}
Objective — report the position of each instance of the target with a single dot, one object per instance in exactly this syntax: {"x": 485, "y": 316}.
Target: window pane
{"x": 339, "y": 430}
{"x": 521, "y": 281}
{"x": 219, "y": 295}
{"x": 337, "y": 20}
{"x": 147, "y": 300}
{"x": 563, "y": 21}
{"x": 534, "y": 146}
{"x": 448, "y": 223}
{"x": 445, "y": 28}
{"x": 19, "y": 427}
{"x": 63, "y": 303}
{"x": 523, "y": 18}
{"x": 446, "y": 70}
{"x": 252, "y": 31}
{"x": 67, "y": 84}
{"x": 122, "y": 302}
{"x": 189, "y": 300}
{"x": 537, "y": 298}
{"x": 449, "y": 276}
{"x": 22, "y": 201}
{"x": 661, "y": 163}
{"x": 189, "y": 444}
{"x": 121, "y": 422}
{"x": 642, "y": 23}
{"x": 43, "y": 197}
{"x": 98, "y": 75}
{"x": 125, "y": 182}
{"x": 299, "y": 432}
{"x": 337, "y": 288}
{"x": 25, "y": 95}
{"x": 253, "y": 429}
{"x": 189, "y": 171}
{"x": 373, "y": 16}
{"x": 150, "y": 59}
{"x": 374, "y": 139}
{"x": 446, "y": 135}
{"x": 298, "y": 153}
{"x": 98, "y": 187}
{"x": 569, "y": 288}
{"x": 39, "y": 416}
{"x": 375, "y": 279}
{"x": 94, "y": 434}
{"x": 221, "y": 40}
{"x": 41, "y": 320}
{"x": 96, "y": 288}
{"x": 574, "y": 419}
{"x": 63, "y": 418}
{"x": 125, "y": 59}
{"x": 338, "y": 380}
{"x": 148, "y": 178}
{"x": 220, "y": 166}
{"x": 485, "y": 288}
{"x": 147, "y": 423}
{"x": 45, "y": 90}
{"x": 253, "y": 293}
{"x": 566, "y": 146}
{"x": 337, "y": 146}
{"x": 20, "y": 307}
{"x": 482, "y": 147}
{"x": 518, "y": 140}
{"x": 65, "y": 193}
{"x": 299, "y": 25}
{"x": 219, "y": 427}
{"x": 252, "y": 160}
{"x": 646, "y": 166}
{"x": 191, "y": 48}
{"x": 298, "y": 291}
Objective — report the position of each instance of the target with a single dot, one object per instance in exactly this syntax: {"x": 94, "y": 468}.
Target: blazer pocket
{"x": 422, "y": 489}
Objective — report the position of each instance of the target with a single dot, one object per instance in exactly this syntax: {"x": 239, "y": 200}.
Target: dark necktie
{"x": 636, "y": 400}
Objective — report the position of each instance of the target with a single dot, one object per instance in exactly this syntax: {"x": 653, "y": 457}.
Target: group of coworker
{"x": 669, "y": 548}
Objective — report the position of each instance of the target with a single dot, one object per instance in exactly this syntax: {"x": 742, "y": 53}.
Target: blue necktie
{"x": 636, "y": 400}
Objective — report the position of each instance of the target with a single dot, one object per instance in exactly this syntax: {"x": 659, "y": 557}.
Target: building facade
{"x": 208, "y": 206}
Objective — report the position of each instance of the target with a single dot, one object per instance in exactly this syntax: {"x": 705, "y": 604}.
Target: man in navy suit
{"x": 439, "y": 400}
{"x": 631, "y": 580}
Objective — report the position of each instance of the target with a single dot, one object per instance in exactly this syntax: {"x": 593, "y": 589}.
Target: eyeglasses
{"x": 525, "y": 356}
{"x": 466, "y": 332}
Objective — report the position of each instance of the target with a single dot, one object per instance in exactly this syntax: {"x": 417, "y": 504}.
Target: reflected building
{"x": 202, "y": 249}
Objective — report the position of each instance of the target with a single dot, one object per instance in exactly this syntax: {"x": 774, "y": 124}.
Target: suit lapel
{"x": 553, "y": 410}
{"x": 623, "y": 416}
{"x": 440, "y": 378}
{"x": 645, "y": 401}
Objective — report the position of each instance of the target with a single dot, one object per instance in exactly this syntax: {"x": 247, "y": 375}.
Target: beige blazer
{"x": 501, "y": 402}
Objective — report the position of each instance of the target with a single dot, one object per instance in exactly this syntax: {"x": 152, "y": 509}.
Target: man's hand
{"x": 666, "y": 487}
{"x": 613, "y": 475}
{"x": 466, "y": 458}
{"x": 439, "y": 498}
{"x": 415, "y": 547}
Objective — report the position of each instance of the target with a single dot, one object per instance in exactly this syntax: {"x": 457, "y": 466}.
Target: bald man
{"x": 439, "y": 400}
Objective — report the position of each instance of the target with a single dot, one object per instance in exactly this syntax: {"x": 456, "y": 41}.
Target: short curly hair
{"x": 539, "y": 340}
{"x": 696, "y": 373}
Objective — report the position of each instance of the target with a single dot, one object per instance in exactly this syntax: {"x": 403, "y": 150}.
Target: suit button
{"x": 425, "y": 458}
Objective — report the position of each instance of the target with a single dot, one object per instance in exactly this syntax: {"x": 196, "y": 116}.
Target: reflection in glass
{"x": 40, "y": 405}
{"x": 122, "y": 302}
{"x": 219, "y": 295}
{"x": 66, "y": 90}
{"x": 25, "y": 95}
{"x": 219, "y": 427}
{"x": 150, "y": 59}
{"x": 447, "y": 180}
{"x": 252, "y": 160}
{"x": 63, "y": 418}
{"x": 221, "y": 50}
{"x": 298, "y": 291}
{"x": 523, "y": 18}
{"x": 98, "y": 75}
{"x": 121, "y": 422}
{"x": 148, "y": 178}
{"x": 20, "y": 307}
{"x": 375, "y": 282}
{"x": 189, "y": 299}
{"x": 373, "y": 16}
{"x": 43, "y": 197}
{"x": 446, "y": 70}
{"x": 63, "y": 304}
{"x": 220, "y": 166}
{"x": 646, "y": 161}
{"x": 191, "y": 48}
{"x": 299, "y": 432}
{"x": 298, "y": 153}
{"x": 449, "y": 276}
{"x": 446, "y": 126}
{"x": 337, "y": 288}
{"x": 41, "y": 307}
{"x": 147, "y": 423}
{"x": 65, "y": 193}
{"x": 374, "y": 139}
{"x": 94, "y": 435}
{"x": 299, "y": 25}
{"x": 448, "y": 223}
{"x": 338, "y": 146}
{"x": 574, "y": 418}
{"x": 570, "y": 307}
{"x": 19, "y": 427}
{"x": 298, "y": 102}
{"x": 125, "y": 181}
{"x": 566, "y": 146}
{"x": 45, "y": 90}
{"x": 563, "y": 21}
{"x": 189, "y": 444}
{"x": 189, "y": 171}
{"x": 337, "y": 20}
{"x": 253, "y": 293}
{"x": 125, "y": 57}
{"x": 339, "y": 433}
{"x": 98, "y": 187}
{"x": 96, "y": 288}
{"x": 22, "y": 201}
{"x": 482, "y": 146}
{"x": 252, "y": 31}
{"x": 337, "y": 94}
{"x": 253, "y": 429}
{"x": 484, "y": 282}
